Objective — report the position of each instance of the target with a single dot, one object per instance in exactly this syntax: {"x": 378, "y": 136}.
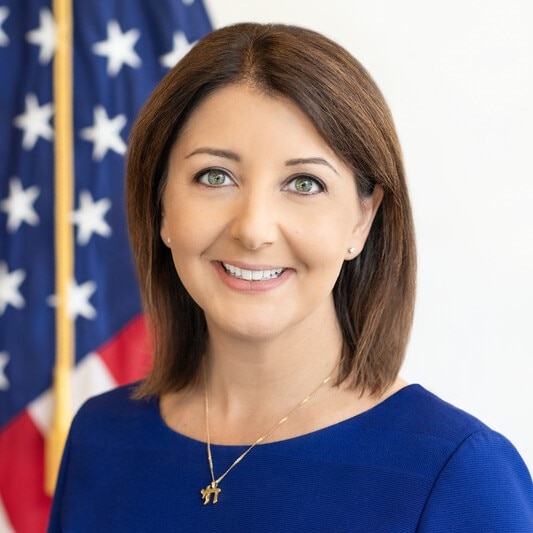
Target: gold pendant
{"x": 210, "y": 490}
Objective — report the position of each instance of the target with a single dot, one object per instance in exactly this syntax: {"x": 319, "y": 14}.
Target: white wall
{"x": 458, "y": 76}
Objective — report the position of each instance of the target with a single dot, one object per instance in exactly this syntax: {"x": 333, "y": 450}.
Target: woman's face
{"x": 260, "y": 214}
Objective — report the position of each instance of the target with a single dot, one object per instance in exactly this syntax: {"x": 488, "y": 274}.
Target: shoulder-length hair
{"x": 374, "y": 294}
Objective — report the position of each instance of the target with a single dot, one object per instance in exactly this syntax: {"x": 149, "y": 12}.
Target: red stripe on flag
{"x": 128, "y": 354}
{"x": 22, "y": 475}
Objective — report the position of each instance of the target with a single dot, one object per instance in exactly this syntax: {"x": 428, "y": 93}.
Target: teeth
{"x": 252, "y": 275}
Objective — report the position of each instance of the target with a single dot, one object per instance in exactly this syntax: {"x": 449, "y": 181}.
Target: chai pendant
{"x": 211, "y": 490}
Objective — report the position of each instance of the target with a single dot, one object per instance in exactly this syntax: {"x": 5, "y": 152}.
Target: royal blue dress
{"x": 413, "y": 463}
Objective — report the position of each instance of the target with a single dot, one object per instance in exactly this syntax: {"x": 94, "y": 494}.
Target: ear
{"x": 369, "y": 207}
{"x": 163, "y": 231}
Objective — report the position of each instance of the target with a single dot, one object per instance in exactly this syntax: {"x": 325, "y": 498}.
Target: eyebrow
{"x": 229, "y": 154}
{"x": 310, "y": 161}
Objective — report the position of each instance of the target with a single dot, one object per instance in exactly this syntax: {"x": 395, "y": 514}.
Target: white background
{"x": 458, "y": 76}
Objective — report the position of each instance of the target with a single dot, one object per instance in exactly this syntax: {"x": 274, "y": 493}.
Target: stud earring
{"x": 351, "y": 250}
{"x": 168, "y": 240}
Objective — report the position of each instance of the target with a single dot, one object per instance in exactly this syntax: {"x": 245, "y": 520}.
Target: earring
{"x": 168, "y": 240}
{"x": 351, "y": 250}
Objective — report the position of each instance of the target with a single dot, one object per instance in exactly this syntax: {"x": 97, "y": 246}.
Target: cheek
{"x": 328, "y": 231}
{"x": 188, "y": 244}
{"x": 322, "y": 245}
{"x": 187, "y": 227}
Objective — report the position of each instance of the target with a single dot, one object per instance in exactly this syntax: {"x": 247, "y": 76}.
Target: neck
{"x": 243, "y": 372}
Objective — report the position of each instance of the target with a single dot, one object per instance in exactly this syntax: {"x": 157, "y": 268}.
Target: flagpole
{"x": 64, "y": 240}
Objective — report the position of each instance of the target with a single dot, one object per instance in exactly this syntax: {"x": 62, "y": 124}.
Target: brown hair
{"x": 374, "y": 294}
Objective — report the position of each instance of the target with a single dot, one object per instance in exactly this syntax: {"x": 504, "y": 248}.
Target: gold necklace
{"x": 213, "y": 489}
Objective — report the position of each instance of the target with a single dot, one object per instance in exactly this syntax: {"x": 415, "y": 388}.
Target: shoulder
{"x": 481, "y": 483}
{"x": 119, "y": 397}
{"x": 484, "y": 486}
{"x": 422, "y": 425}
{"x": 114, "y": 414}
{"x": 417, "y": 410}
{"x": 116, "y": 402}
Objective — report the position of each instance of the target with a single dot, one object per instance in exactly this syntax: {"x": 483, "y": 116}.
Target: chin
{"x": 258, "y": 330}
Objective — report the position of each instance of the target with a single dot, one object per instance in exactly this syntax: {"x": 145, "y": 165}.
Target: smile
{"x": 252, "y": 275}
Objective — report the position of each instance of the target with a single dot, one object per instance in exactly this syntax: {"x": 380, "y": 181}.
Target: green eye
{"x": 305, "y": 185}
{"x": 215, "y": 178}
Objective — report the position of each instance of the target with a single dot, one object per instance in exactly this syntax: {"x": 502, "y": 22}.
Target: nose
{"x": 254, "y": 223}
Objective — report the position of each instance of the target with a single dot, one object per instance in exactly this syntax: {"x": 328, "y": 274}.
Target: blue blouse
{"x": 413, "y": 463}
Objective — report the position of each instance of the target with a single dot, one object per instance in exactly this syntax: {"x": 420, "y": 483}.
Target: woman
{"x": 273, "y": 238}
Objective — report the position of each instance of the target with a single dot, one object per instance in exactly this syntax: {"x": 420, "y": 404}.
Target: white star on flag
{"x": 34, "y": 122}
{"x": 4, "y": 382}
{"x": 78, "y": 300}
{"x": 4, "y": 13}
{"x": 9, "y": 288}
{"x": 19, "y": 205}
{"x": 90, "y": 218}
{"x": 180, "y": 47}
{"x": 44, "y": 36}
{"x": 105, "y": 133}
{"x": 118, "y": 48}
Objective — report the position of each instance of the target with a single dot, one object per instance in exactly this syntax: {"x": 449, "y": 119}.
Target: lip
{"x": 243, "y": 285}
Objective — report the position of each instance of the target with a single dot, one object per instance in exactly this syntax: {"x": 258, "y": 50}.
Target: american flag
{"x": 121, "y": 49}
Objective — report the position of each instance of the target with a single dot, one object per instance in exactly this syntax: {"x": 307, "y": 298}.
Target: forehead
{"x": 242, "y": 114}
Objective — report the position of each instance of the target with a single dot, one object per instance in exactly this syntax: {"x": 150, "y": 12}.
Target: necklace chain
{"x": 213, "y": 489}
